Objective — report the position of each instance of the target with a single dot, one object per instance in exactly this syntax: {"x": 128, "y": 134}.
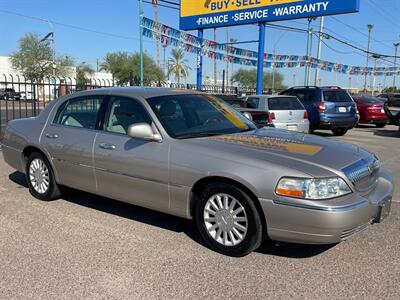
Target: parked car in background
{"x": 329, "y": 108}
{"x": 371, "y": 110}
{"x": 260, "y": 117}
{"x": 191, "y": 155}
{"x": 285, "y": 112}
{"x": 9, "y": 94}
{"x": 392, "y": 106}
{"x": 27, "y": 96}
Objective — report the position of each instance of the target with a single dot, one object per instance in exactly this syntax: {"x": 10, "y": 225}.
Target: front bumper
{"x": 330, "y": 221}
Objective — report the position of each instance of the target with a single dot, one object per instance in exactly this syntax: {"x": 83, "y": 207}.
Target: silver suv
{"x": 285, "y": 112}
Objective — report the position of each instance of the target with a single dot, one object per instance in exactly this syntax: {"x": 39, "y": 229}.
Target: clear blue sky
{"x": 120, "y": 17}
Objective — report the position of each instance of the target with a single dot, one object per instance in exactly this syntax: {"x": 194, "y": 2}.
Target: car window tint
{"x": 186, "y": 115}
{"x": 253, "y": 102}
{"x": 80, "y": 112}
{"x": 124, "y": 112}
{"x": 300, "y": 94}
{"x": 283, "y": 103}
{"x": 337, "y": 96}
{"x": 372, "y": 100}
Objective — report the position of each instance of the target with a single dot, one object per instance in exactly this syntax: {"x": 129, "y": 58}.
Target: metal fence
{"x": 35, "y": 96}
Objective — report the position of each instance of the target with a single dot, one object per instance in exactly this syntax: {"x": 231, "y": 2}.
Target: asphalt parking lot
{"x": 88, "y": 247}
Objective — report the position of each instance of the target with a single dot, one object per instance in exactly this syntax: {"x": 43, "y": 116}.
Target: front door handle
{"x": 51, "y": 136}
{"x": 106, "y": 146}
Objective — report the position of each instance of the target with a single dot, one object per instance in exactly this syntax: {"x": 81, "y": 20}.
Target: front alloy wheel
{"x": 228, "y": 220}
{"x": 225, "y": 219}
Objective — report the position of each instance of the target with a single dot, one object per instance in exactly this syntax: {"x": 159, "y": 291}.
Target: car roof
{"x": 271, "y": 96}
{"x": 144, "y": 92}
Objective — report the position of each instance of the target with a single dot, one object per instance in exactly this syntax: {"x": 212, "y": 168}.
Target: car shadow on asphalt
{"x": 168, "y": 222}
{"x": 388, "y": 133}
{"x": 289, "y": 250}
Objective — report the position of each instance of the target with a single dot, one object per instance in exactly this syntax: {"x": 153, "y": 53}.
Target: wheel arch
{"x": 28, "y": 150}
{"x": 200, "y": 185}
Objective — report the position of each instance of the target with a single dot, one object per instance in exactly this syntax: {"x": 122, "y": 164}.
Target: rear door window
{"x": 337, "y": 96}
{"x": 300, "y": 94}
{"x": 284, "y": 103}
{"x": 80, "y": 112}
{"x": 253, "y": 102}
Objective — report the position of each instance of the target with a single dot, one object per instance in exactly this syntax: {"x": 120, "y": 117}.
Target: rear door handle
{"x": 107, "y": 146}
{"x": 51, "y": 136}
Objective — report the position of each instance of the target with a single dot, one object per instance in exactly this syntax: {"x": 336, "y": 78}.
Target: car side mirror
{"x": 248, "y": 115}
{"x": 143, "y": 131}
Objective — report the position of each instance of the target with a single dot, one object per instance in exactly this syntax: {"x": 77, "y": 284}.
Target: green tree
{"x": 179, "y": 65}
{"x": 390, "y": 90}
{"x": 248, "y": 79}
{"x": 34, "y": 59}
{"x": 83, "y": 73}
{"x": 125, "y": 68}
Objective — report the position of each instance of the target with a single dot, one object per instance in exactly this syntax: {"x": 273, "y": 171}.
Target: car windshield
{"x": 284, "y": 103}
{"x": 189, "y": 116}
{"x": 372, "y": 100}
{"x": 337, "y": 96}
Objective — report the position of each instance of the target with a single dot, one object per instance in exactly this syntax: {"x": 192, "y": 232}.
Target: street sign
{"x": 199, "y": 14}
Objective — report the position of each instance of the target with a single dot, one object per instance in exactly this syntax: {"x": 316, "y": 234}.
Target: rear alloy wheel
{"x": 40, "y": 177}
{"x": 228, "y": 220}
{"x": 339, "y": 131}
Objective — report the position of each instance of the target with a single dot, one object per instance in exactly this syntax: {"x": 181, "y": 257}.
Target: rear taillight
{"x": 271, "y": 118}
{"x": 321, "y": 107}
{"x": 305, "y": 115}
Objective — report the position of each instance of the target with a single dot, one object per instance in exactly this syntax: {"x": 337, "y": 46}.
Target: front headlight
{"x": 312, "y": 189}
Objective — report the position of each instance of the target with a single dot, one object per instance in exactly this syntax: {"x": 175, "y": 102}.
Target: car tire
{"x": 217, "y": 209}
{"x": 339, "y": 131}
{"x": 40, "y": 178}
{"x": 380, "y": 125}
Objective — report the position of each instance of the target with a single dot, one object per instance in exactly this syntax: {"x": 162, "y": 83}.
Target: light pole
{"x": 373, "y": 79}
{"x": 396, "y": 46}
{"x": 309, "y": 45}
{"x": 141, "y": 41}
{"x": 273, "y": 61}
{"x": 370, "y": 27}
{"x": 320, "y": 38}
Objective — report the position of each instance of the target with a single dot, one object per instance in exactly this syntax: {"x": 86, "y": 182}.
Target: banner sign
{"x": 198, "y": 14}
{"x": 169, "y": 36}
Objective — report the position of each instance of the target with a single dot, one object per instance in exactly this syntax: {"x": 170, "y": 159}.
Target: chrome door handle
{"x": 51, "y": 136}
{"x": 107, "y": 146}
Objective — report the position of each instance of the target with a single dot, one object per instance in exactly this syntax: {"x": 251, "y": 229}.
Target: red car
{"x": 372, "y": 111}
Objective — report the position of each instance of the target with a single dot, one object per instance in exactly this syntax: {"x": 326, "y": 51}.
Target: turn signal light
{"x": 290, "y": 193}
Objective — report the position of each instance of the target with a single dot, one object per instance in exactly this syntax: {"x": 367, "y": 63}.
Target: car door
{"x": 127, "y": 169}
{"x": 69, "y": 139}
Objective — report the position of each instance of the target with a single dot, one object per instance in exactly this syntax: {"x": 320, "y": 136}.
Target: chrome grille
{"x": 364, "y": 173}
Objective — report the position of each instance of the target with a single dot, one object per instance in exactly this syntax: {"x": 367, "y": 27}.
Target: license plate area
{"x": 342, "y": 109}
{"x": 292, "y": 127}
{"x": 384, "y": 211}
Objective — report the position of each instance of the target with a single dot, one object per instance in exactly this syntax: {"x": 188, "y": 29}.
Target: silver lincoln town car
{"x": 191, "y": 155}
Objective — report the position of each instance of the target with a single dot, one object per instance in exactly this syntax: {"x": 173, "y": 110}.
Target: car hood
{"x": 304, "y": 152}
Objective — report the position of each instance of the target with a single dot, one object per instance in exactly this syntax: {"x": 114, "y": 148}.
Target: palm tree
{"x": 179, "y": 65}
